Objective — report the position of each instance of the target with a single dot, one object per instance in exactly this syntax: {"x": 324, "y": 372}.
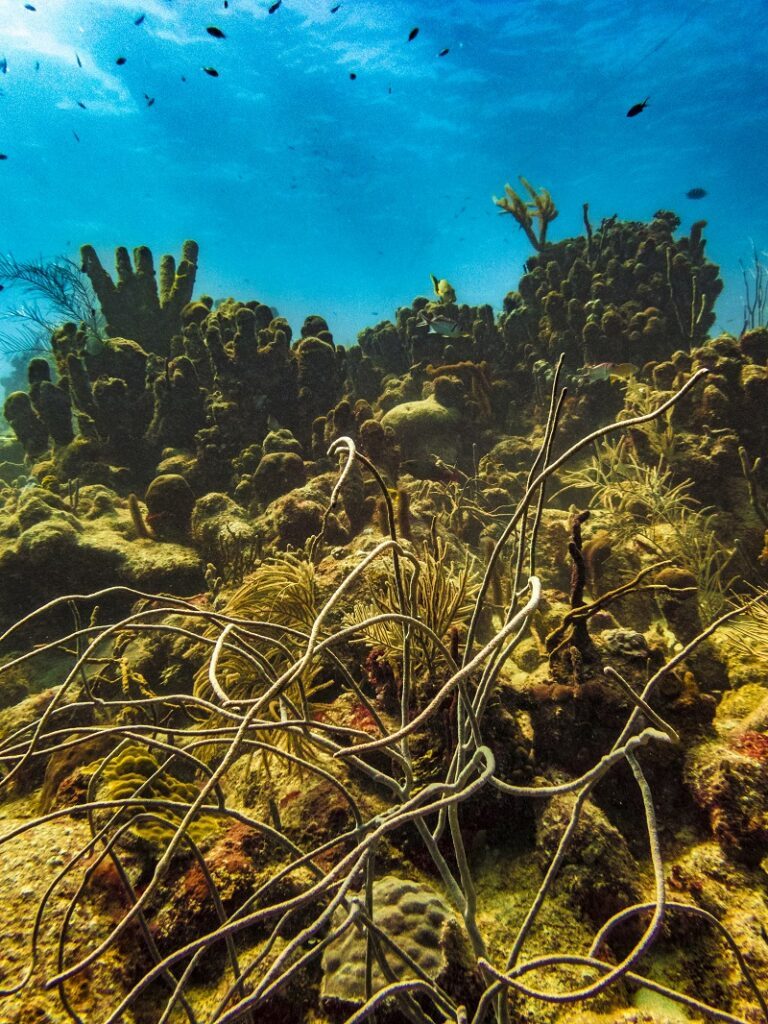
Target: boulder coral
{"x": 415, "y": 917}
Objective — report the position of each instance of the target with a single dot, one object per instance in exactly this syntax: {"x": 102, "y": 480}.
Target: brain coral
{"x": 417, "y": 919}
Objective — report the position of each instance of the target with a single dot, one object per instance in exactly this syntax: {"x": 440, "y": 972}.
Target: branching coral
{"x": 539, "y": 208}
{"x": 208, "y": 387}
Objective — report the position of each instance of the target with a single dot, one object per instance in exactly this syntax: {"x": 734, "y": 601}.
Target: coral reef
{"x": 628, "y": 292}
{"x": 393, "y": 680}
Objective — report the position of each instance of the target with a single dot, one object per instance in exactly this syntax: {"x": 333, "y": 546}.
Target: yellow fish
{"x": 443, "y": 289}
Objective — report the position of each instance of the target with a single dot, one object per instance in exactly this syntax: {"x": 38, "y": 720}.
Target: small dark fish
{"x": 4, "y": 66}
{"x": 140, "y": 19}
{"x": 638, "y": 108}
{"x": 352, "y": 76}
{"x": 389, "y": 90}
{"x": 274, "y": 6}
{"x": 2, "y": 287}
{"x": 334, "y": 9}
{"x": 183, "y": 78}
{"x": 696, "y": 193}
{"x": 29, "y": 7}
{"x": 226, "y": 4}
{"x": 77, "y": 137}
{"x": 37, "y": 65}
{"x": 81, "y": 105}
{"x": 215, "y": 32}
{"x": 3, "y": 156}
{"x": 444, "y": 53}
{"x": 412, "y": 34}
{"x": 212, "y": 72}
{"x": 120, "y": 61}
{"x": 150, "y": 99}
{"x": 79, "y": 62}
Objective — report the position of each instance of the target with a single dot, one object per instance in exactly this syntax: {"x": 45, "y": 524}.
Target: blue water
{"x": 314, "y": 192}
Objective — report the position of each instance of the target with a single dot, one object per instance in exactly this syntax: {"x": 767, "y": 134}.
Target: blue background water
{"x": 316, "y": 193}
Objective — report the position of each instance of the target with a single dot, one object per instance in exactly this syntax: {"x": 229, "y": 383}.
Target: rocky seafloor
{"x": 421, "y": 680}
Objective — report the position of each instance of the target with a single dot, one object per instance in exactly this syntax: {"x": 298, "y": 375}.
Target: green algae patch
{"x": 507, "y": 882}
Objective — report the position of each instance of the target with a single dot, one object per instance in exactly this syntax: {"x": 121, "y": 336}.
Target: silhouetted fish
{"x": 438, "y": 324}
{"x": 79, "y": 62}
{"x": 215, "y": 32}
{"x": 638, "y": 108}
{"x": 29, "y": 7}
{"x": 120, "y": 61}
{"x": 77, "y": 137}
{"x": 696, "y": 193}
{"x": 226, "y": 4}
{"x": 37, "y": 65}
{"x": 412, "y": 34}
{"x": 352, "y": 75}
{"x": 4, "y": 66}
{"x": 82, "y": 105}
{"x": 3, "y": 156}
{"x": 150, "y": 99}
{"x": 183, "y": 78}
{"x": 212, "y": 72}
{"x": 444, "y": 53}
{"x": 274, "y": 6}
{"x": 140, "y": 19}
